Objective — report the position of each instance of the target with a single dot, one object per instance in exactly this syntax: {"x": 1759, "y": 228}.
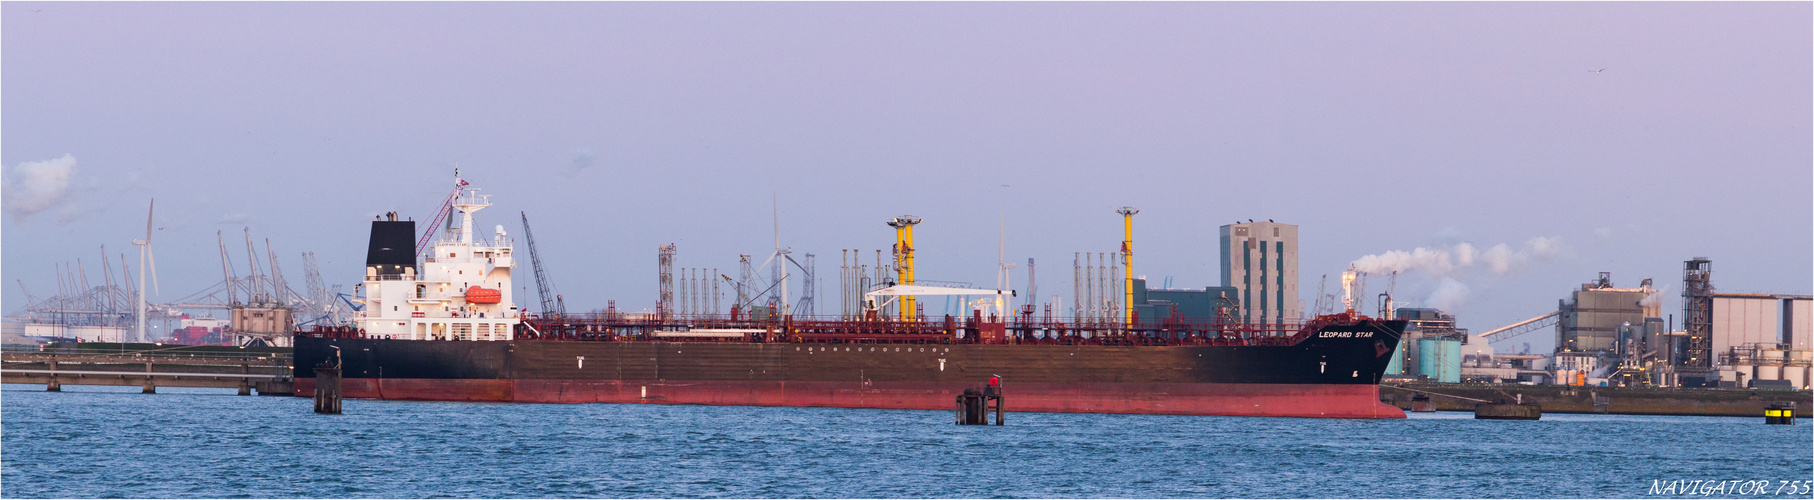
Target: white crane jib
{"x": 894, "y": 292}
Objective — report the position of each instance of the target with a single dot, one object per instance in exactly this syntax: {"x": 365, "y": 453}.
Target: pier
{"x": 1604, "y": 400}
{"x": 175, "y": 366}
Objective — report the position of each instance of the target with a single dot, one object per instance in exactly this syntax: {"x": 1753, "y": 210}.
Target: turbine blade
{"x": 149, "y": 254}
{"x": 148, "y": 211}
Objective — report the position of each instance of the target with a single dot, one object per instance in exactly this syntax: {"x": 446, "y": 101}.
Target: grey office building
{"x": 1260, "y": 261}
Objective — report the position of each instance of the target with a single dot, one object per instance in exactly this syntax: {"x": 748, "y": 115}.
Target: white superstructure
{"x": 462, "y": 291}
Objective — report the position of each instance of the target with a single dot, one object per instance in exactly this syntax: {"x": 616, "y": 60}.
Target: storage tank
{"x": 1769, "y": 372}
{"x": 1397, "y": 366}
{"x": 1439, "y": 359}
{"x": 1797, "y": 375}
{"x": 1769, "y": 356}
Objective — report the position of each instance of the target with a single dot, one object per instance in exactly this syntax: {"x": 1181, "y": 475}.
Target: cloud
{"x": 1544, "y": 247}
{"x": 1501, "y": 259}
{"x": 582, "y": 159}
{"x": 34, "y": 187}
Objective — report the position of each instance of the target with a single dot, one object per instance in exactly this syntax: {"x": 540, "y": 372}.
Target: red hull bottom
{"x": 1258, "y": 400}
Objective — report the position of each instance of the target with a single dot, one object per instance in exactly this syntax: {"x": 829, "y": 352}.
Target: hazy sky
{"x": 620, "y": 126}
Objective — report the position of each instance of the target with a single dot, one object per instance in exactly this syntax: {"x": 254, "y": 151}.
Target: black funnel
{"x": 393, "y": 246}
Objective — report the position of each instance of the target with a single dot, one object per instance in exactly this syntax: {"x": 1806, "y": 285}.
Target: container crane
{"x": 551, "y": 304}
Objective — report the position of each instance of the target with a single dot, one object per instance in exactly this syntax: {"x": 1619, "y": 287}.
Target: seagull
{"x": 1597, "y": 71}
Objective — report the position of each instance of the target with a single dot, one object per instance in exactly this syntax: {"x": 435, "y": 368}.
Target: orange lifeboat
{"x": 476, "y": 295}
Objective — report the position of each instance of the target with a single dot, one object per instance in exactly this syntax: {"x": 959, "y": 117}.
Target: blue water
{"x": 188, "y": 443}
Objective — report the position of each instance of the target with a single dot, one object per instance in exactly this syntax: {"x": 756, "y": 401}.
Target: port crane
{"x": 552, "y": 305}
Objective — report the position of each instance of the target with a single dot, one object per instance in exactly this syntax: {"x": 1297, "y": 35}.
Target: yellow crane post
{"x": 903, "y": 261}
{"x": 1127, "y": 262}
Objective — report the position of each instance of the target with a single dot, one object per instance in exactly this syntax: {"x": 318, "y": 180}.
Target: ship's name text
{"x": 1344, "y": 335}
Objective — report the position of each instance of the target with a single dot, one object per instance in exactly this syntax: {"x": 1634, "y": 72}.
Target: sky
{"x": 1531, "y": 145}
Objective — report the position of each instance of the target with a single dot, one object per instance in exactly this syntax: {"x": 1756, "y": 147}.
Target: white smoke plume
{"x": 1655, "y": 299}
{"x": 1450, "y": 295}
{"x": 36, "y": 186}
{"x": 1501, "y": 259}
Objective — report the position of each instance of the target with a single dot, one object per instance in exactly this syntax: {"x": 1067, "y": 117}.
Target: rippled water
{"x": 113, "y": 442}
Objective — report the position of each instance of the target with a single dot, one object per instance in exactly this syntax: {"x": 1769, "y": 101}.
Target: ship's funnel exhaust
{"x": 392, "y": 247}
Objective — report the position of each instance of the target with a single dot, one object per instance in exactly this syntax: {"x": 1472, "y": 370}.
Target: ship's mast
{"x": 471, "y": 202}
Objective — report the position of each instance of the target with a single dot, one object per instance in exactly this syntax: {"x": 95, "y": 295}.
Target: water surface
{"x": 92, "y": 441}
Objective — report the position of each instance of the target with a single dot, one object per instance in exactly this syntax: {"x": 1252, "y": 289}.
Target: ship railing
{"x": 839, "y": 329}
{"x": 477, "y": 243}
{"x": 157, "y": 352}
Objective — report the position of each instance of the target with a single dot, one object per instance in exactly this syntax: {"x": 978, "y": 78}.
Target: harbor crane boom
{"x": 551, "y": 303}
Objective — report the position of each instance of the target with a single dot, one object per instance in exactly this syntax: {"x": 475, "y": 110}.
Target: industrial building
{"x": 1435, "y": 350}
{"x": 1260, "y": 261}
{"x": 1591, "y": 320}
{"x": 1490, "y": 368}
{"x": 1153, "y": 306}
{"x": 1761, "y": 339}
{"x": 1619, "y": 336}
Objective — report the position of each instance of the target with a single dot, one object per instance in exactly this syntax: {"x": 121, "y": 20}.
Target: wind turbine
{"x": 780, "y": 307}
{"x": 145, "y": 253}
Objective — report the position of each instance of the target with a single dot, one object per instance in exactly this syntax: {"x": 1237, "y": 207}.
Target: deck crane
{"x": 446, "y": 206}
{"x": 552, "y": 304}
{"x": 1321, "y": 288}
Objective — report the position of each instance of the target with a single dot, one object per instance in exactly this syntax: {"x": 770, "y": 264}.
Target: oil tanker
{"x": 442, "y": 325}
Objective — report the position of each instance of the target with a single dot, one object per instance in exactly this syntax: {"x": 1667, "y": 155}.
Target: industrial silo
{"x": 1439, "y": 359}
